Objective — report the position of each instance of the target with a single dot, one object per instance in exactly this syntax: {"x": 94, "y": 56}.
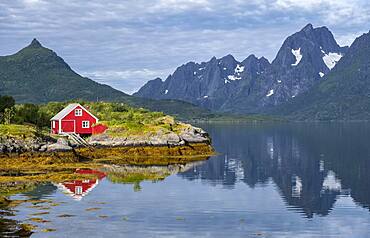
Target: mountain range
{"x": 307, "y": 61}
{"x": 311, "y": 78}
{"x": 36, "y": 74}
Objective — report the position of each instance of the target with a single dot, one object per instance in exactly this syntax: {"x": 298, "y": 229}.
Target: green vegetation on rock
{"x": 17, "y": 131}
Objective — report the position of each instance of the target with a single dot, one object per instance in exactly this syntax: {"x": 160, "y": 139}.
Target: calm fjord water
{"x": 269, "y": 180}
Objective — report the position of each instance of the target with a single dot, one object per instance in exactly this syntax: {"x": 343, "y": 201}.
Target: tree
{"x": 31, "y": 113}
{"x": 6, "y": 102}
{"x": 8, "y": 115}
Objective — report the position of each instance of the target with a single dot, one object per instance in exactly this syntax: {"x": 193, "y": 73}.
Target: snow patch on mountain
{"x": 239, "y": 69}
{"x": 331, "y": 59}
{"x": 270, "y": 93}
{"x": 233, "y": 77}
{"x": 298, "y": 56}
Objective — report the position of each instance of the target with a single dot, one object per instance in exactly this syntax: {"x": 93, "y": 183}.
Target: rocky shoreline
{"x": 186, "y": 138}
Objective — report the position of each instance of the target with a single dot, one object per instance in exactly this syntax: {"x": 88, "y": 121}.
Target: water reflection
{"x": 311, "y": 164}
{"x": 124, "y": 174}
{"x": 260, "y": 184}
{"x": 78, "y": 189}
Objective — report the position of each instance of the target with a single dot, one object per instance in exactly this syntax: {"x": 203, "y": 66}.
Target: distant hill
{"x": 36, "y": 74}
{"x": 344, "y": 94}
{"x": 253, "y": 85}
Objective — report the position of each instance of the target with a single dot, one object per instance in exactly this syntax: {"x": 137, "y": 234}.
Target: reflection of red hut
{"x": 80, "y": 188}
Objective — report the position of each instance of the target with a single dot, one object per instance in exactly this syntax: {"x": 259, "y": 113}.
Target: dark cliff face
{"x": 254, "y": 85}
{"x": 343, "y": 95}
{"x": 302, "y": 62}
{"x": 209, "y": 84}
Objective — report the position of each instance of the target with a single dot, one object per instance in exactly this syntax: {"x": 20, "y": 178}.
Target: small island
{"x": 121, "y": 132}
{"x": 31, "y": 152}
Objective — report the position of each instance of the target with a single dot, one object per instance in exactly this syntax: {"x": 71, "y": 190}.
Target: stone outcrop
{"x": 13, "y": 145}
{"x": 61, "y": 145}
{"x": 188, "y": 135}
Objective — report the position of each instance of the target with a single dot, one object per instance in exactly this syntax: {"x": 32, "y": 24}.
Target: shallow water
{"x": 269, "y": 180}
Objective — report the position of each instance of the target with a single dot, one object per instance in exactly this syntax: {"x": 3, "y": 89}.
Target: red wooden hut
{"x": 75, "y": 119}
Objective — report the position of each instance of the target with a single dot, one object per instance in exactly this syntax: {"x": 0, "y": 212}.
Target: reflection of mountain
{"x": 310, "y": 164}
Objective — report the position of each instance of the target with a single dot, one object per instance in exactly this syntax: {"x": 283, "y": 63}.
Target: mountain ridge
{"x": 343, "y": 95}
{"x": 253, "y": 85}
{"x": 36, "y": 74}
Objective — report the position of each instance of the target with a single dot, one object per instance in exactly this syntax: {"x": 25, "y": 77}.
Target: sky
{"x": 124, "y": 43}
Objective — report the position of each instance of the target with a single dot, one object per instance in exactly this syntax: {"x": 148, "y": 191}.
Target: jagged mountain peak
{"x": 343, "y": 95}
{"x": 228, "y": 57}
{"x": 264, "y": 60}
{"x": 35, "y": 43}
{"x": 310, "y": 46}
{"x": 158, "y": 79}
{"x": 308, "y": 27}
{"x": 251, "y": 57}
{"x": 36, "y": 46}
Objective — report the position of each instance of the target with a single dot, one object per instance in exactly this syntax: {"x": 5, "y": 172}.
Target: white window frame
{"x": 87, "y": 125}
{"x": 53, "y": 124}
{"x": 78, "y": 190}
{"x": 78, "y": 112}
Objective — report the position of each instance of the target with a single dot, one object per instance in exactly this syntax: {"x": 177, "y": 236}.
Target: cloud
{"x": 182, "y": 5}
{"x": 125, "y": 80}
{"x": 159, "y": 35}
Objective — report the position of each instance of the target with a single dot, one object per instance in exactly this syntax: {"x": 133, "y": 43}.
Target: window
{"x": 78, "y": 112}
{"x": 85, "y": 124}
{"x": 78, "y": 190}
{"x": 53, "y": 124}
